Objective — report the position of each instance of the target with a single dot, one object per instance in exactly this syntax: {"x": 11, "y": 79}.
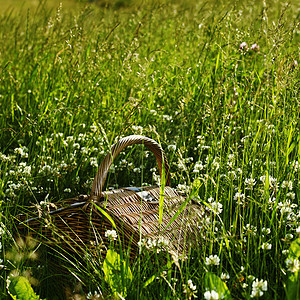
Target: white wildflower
{"x": 216, "y": 163}
{"x": 154, "y": 244}
{"x": 250, "y": 183}
{"x": 255, "y": 47}
{"x": 198, "y": 167}
{"x": 216, "y": 207}
{"x": 292, "y": 264}
{"x": 266, "y": 246}
{"x": 287, "y": 184}
{"x": 266, "y": 230}
{"x": 286, "y": 207}
{"x": 258, "y": 288}
{"x": 111, "y": 235}
{"x": 211, "y": 295}
{"x": 93, "y": 162}
{"x": 295, "y": 166}
{"x": 22, "y": 151}
{"x": 225, "y": 276}
{"x": 291, "y": 195}
{"x": 183, "y": 188}
{"x": 239, "y": 197}
{"x": 190, "y": 289}
{"x": 172, "y": 147}
{"x": 243, "y": 46}
{"x": 212, "y": 260}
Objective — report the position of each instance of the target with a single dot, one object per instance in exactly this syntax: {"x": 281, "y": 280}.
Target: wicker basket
{"x": 81, "y": 222}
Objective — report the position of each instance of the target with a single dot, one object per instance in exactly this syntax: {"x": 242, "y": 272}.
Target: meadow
{"x": 215, "y": 82}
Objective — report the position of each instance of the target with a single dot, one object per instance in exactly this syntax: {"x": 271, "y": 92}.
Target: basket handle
{"x": 117, "y": 148}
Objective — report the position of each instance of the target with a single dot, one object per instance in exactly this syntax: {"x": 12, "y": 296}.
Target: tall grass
{"x": 217, "y": 82}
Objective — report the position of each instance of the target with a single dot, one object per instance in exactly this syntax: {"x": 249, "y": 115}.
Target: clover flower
{"x": 216, "y": 207}
{"x": 289, "y": 236}
{"x": 258, "y": 288}
{"x": 273, "y": 184}
{"x": 225, "y": 276}
{"x": 93, "y": 162}
{"x": 172, "y": 147}
{"x": 266, "y": 246}
{"x": 22, "y": 151}
{"x": 190, "y": 289}
{"x": 265, "y": 230}
{"x": 255, "y": 47}
{"x": 152, "y": 244}
{"x": 111, "y": 235}
{"x": 295, "y": 165}
{"x": 198, "y": 167}
{"x": 239, "y": 197}
{"x": 286, "y": 207}
{"x": 250, "y": 183}
{"x": 212, "y": 260}
{"x": 211, "y": 295}
{"x": 243, "y": 46}
{"x": 292, "y": 264}
{"x": 287, "y": 184}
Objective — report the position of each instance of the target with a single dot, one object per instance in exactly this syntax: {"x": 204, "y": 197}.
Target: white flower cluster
{"x": 286, "y": 207}
{"x": 265, "y": 231}
{"x": 250, "y": 183}
{"x": 273, "y": 184}
{"x": 293, "y": 265}
{"x": 296, "y": 166}
{"x": 251, "y": 229}
{"x": 212, "y": 260}
{"x": 12, "y": 188}
{"x": 266, "y": 246}
{"x": 198, "y": 167}
{"x": 94, "y": 162}
{"x": 212, "y": 295}
{"x": 183, "y": 188}
{"x": 154, "y": 244}
{"x": 22, "y": 151}
{"x": 182, "y": 163}
{"x": 239, "y": 198}
{"x": 231, "y": 161}
{"x": 111, "y": 235}
{"x": 190, "y": 289}
{"x": 258, "y": 288}
{"x": 225, "y": 276}
{"x": 172, "y": 147}
{"x": 287, "y": 184}
{"x": 215, "y": 206}
{"x": 95, "y": 295}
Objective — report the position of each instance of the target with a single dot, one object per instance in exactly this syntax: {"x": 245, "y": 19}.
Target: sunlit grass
{"x": 216, "y": 83}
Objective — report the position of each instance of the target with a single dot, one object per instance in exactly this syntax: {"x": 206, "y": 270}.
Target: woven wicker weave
{"x": 78, "y": 223}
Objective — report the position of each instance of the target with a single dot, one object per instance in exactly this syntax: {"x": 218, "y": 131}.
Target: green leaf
{"x": 294, "y": 251}
{"x": 105, "y": 214}
{"x": 213, "y": 282}
{"x": 117, "y": 274}
{"x": 150, "y": 280}
{"x": 293, "y": 282}
{"x": 20, "y": 289}
{"x": 181, "y": 208}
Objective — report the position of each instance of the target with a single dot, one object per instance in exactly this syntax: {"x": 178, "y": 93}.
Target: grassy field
{"x": 216, "y": 82}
